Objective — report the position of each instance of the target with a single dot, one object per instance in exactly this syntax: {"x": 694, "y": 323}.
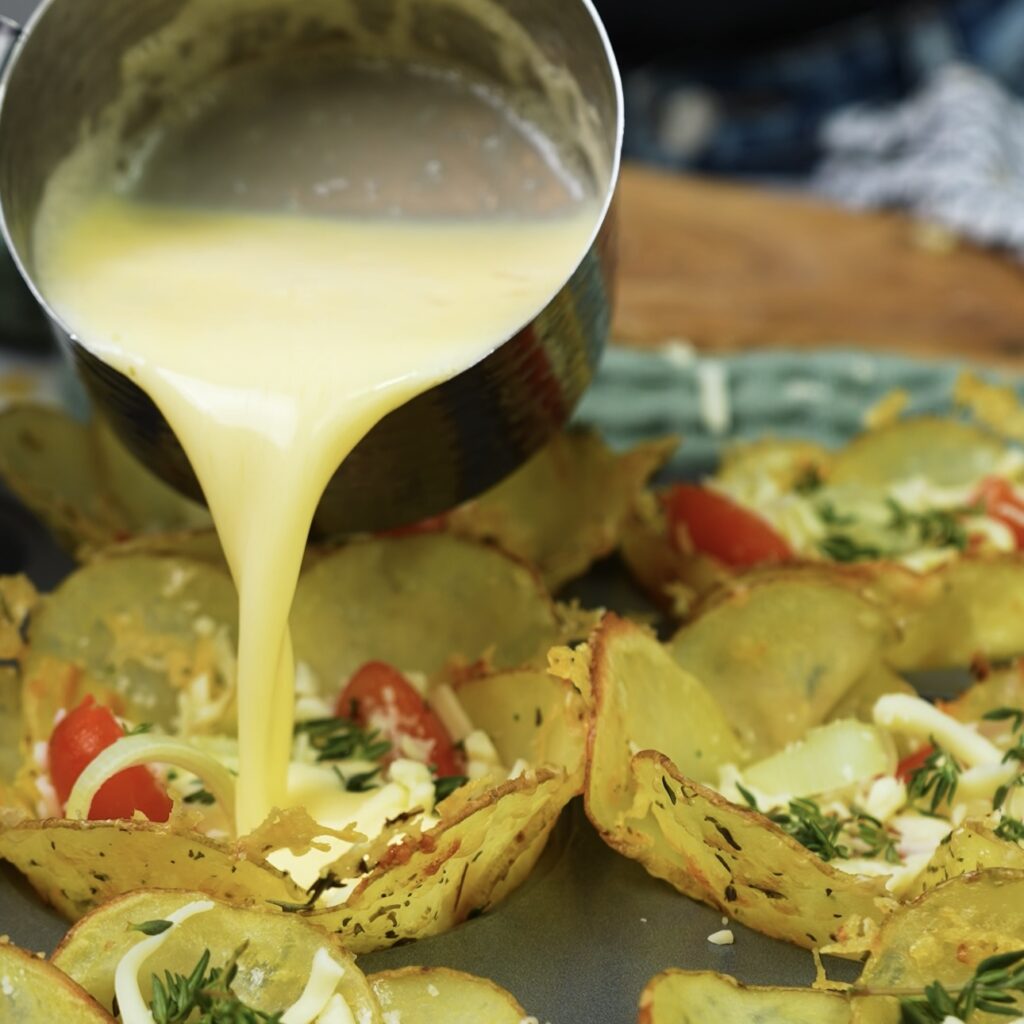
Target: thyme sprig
{"x": 995, "y": 988}
{"x": 341, "y": 739}
{"x": 936, "y": 780}
{"x": 830, "y": 835}
{"x": 206, "y": 991}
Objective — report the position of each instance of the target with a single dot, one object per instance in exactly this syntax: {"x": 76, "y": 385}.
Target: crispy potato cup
{"x": 779, "y": 654}
{"x": 34, "y": 990}
{"x": 411, "y": 883}
{"x": 653, "y": 811}
{"x": 378, "y": 600}
{"x": 699, "y": 997}
{"x": 83, "y": 484}
{"x": 567, "y": 507}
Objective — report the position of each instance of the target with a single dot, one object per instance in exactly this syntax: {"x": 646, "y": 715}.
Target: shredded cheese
{"x": 134, "y": 1008}
{"x": 324, "y": 976}
{"x": 913, "y": 716}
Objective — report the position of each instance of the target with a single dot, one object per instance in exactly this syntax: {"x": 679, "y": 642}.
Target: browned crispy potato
{"x": 648, "y": 809}
{"x": 565, "y": 508}
{"x": 78, "y": 865}
{"x": 434, "y": 880}
{"x": 699, "y": 997}
{"x": 33, "y": 990}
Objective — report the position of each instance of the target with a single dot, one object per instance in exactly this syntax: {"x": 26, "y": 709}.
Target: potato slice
{"x": 33, "y": 990}
{"x": 138, "y": 629}
{"x": 699, "y": 997}
{"x": 565, "y": 508}
{"x": 78, "y": 865}
{"x": 786, "y": 462}
{"x": 273, "y": 969}
{"x": 970, "y": 848}
{"x": 946, "y": 452}
{"x": 430, "y": 882}
{"x": 82, "y": 483}
{"x": 645, "y": 701}
{"x": 781, "y": 652}
{"x": 418, "y": 602}
{"x": 529, "y": 716}
{"x": 945, "y": 933}
{"x": 435, "y": 995}
{"x": 645, "y": 807}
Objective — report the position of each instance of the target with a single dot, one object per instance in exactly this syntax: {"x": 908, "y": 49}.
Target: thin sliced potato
{"x": 33, "y": 990}
{"x": 970, "y": 848}
{"x": 727, "y": 856}
{"x": 645, "y": 701}
{"x": 784, "y": 461}
{"x": 565, "y": 508}
{"x": 778, "y": 654}
{"x": 945, "y": 933}
{"x": 435, "y": 995}
{"x": 430, "y": 882}
{"x": 529, "y": 716}
{"x": 79, "y": 865}
{"x": 996, "y": 406}
{"x": 138, "y": 628}
{"x": 946, "y": 452}
{"x": 82, "y": 483}
{"x": 418, "y": 602}
{"x": 973, "y": 606}
{"x": 272, "y": 970}
{"x": 700, "y": 997}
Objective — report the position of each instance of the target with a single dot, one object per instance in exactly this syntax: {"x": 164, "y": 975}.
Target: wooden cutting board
{"x": 729, "y": 267}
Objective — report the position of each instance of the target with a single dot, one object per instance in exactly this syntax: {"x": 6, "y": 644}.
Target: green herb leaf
{"x": 140, "y": 730}
{"x": 152, "y": 927}
{"x": 445, "y": 786}
{"x": 995, "y": 988}
{"x": 360, "y": 782}
{"x": 842, "y": 548}
{"x": 200, "y": 796}
{"x": 938, "y": 778}
{"x": 341, "y": 739}
{"x": 1015, "y": 715}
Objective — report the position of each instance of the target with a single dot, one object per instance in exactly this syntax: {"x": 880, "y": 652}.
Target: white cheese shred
{"x": 912, "y": 716}
{"x": 324, "y": 976}
{"x": 134, "y": 1008}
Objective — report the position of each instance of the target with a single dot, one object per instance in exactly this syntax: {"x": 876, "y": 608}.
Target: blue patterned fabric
{"x": 820, "y": 396}
{"x": 763, "y": 116}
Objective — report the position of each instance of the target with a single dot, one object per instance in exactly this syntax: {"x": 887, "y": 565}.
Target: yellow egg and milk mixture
{"x": 287, "y": 258}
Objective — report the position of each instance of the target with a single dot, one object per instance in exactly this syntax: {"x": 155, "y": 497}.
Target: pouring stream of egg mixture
{"x": 289, "y": 258}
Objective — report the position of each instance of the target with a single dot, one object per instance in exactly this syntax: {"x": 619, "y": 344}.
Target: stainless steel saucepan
{"x": 76, "y": 59}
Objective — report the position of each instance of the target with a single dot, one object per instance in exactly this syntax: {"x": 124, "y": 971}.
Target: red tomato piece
{"x": 910, "y": 764}
{"x": 379, "y": 697}
{"x": 76, "y": 741}
{"x": 1001, "y": 502}
{"x": 719, "y": 527}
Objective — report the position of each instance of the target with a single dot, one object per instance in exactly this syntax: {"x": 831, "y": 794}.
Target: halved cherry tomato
{"x": 379, "y": 697}
{"x": 76, "y": 741}
{"x": 719, "y": 527}
{"x": 1001, "y": 502}
{"x": 910, "y": 764}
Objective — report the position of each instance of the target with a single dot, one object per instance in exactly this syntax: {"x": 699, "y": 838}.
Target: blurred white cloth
{"x": 952, "y": 154}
